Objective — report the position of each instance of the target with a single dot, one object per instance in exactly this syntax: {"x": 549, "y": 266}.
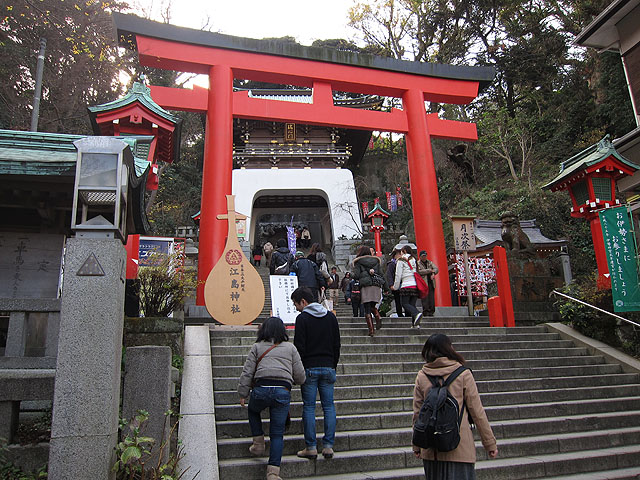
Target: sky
{"x": 306, "y": 20}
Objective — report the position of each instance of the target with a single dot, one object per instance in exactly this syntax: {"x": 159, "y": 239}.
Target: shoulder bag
{"x": 421, "y": 285}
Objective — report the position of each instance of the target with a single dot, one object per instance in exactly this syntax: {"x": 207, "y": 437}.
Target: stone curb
{"x": 627, "y": 362}
{"x": 197, "y": 429}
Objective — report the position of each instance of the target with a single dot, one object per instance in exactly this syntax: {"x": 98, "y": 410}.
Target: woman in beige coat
{"x": 459, "y": 464}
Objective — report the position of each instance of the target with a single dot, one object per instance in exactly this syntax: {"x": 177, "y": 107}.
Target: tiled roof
{"x": 588, "y": 157}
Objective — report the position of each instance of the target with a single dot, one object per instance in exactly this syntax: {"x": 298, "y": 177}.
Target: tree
{"x": 81, "y": 67}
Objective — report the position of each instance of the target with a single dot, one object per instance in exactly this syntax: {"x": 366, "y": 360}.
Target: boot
{"x": 370, "y": 325}
{"x": 273, "y": 472}
{"x": 309, "y": 453}
{"x": 257, "y": 447}
{"x": 376, "y": 314}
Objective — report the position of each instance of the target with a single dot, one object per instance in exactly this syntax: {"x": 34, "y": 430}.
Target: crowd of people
{"x": 273, "y": 365}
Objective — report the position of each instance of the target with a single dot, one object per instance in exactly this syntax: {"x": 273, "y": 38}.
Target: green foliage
{"x": 586, "y": 320}
{"x": 593, "y": 323}
{"x": 138, "y": 457}
{"x": 9, "y": 471}
{"x": 81, "y": 61}
{"x": 164, "y": 285}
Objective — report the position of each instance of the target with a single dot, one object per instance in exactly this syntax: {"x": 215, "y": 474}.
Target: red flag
{"x": 365, "y": 208}
{"x": 376, "y": 200}
{"x": 399, "y": 195}
{"x": 388, "y": 200}
{"x": 371, "y": 142}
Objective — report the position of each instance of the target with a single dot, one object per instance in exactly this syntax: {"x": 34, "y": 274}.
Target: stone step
{"x": 556, "y": 409}
{"x": 402, "y": 419}
{"x": 406, "y": 389}
{"x": 397, "y": 459}
{"x": 531, "y": 444}
{"x": 377, "y": 403}
{"x": 475, "y": 336}
{"x": 632, "y": 473}
{"x": 500, "y": 358}
{"x": 350, "y": 353}
{"x": 455, "y": 333}
{"x": 411, "y": 347}
{"x": 231, "y": 383}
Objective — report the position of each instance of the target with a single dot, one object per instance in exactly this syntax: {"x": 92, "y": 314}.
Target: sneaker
{"x": 310, "y": 453}
{"x": 416, "y": 321}
{"x": 327, "y": 452}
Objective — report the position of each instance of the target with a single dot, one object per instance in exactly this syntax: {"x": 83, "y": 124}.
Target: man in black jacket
{"x": 317, "y": 338}
{"x": 308, "y": 273}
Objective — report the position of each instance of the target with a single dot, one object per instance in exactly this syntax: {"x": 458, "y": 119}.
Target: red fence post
{"x": 504, "y": 285}
{"x": 494, "y": 306}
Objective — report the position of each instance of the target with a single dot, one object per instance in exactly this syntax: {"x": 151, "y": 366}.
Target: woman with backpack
{"x": 272, "y": 367}
{"x": 459, "y": 463}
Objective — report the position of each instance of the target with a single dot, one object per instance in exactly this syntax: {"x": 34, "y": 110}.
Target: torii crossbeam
{"x": 224, "y": 58}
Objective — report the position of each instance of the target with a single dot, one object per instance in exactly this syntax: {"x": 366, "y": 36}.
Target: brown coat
{"x": 463, "y": 387}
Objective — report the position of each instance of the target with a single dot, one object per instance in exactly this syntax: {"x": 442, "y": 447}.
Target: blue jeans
{"x": 319, "y": 379}
{"x": 277, "y": 400}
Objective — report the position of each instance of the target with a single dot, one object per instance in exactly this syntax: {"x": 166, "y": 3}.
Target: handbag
{"x": 421, "y": 285}
{"x": 377, "y": 280}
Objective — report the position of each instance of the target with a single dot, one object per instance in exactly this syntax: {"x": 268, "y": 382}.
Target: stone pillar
{"x": 9, "y": 411}
{"x": 53, "y": 329}
{"x": 17, "y": 335}
{"x": 148, "y": 386}
{"x": 566, "y": 267}
{"x": 84, "y": 427}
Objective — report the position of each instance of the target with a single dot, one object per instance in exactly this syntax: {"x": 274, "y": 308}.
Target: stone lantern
{"x": 101, "y": 188}
{"x": 376, "y": 217}
{"x": 590, "y": 178}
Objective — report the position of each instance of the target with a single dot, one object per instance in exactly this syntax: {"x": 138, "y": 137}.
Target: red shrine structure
{"x": 377, "y": 217}
{"x": 590, "y": 177}
{"x": 225, "y": 58}
{"x": 132, "y": 115}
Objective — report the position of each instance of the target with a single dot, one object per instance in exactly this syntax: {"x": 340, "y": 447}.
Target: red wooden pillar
{"x": 133, "y": 255}
{"x": 378, "y": 242}
{"x": 216, "y": 173}
{"x": 427, "y": 218}
{"x": 504, "y": 286}
{"x": 604, "y": 280}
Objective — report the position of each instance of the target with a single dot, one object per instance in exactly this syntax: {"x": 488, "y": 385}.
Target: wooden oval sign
{"x": 233, "y": 292}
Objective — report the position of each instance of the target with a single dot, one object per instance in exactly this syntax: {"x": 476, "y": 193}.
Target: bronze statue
{"x": 513, "y": 237}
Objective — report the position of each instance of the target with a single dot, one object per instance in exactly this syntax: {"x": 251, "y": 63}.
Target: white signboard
{"x": 282, "y": 286}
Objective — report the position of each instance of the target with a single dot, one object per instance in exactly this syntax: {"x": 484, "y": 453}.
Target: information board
{"x": 282, "y": 286}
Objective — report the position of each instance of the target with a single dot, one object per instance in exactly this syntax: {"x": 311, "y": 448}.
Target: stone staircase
{"x": 558, "y": 412}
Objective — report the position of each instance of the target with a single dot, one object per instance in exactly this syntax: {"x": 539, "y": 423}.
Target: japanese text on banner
{"x": 619, "y": 244}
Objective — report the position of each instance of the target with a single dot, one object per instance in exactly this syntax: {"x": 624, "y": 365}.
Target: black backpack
{"x": 438, "y": 423}
{"x": 355, "y": 291}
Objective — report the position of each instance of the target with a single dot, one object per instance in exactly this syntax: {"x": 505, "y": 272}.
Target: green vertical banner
{"x": 619, "y": 243}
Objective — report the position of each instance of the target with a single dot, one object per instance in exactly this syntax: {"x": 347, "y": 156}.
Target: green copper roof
{"x": 376, "y": 208}
{"x": 36, "y": 153}
{"x": 140, "y": 93}
{"x": 588, "y": 157}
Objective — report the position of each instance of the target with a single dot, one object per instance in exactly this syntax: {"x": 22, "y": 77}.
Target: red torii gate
{"x": 224, "y": 58}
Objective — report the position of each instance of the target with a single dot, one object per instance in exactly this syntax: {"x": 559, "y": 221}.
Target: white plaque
{"x": 282, "y": 286}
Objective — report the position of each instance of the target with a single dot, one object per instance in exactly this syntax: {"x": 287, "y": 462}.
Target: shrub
{"x": 595, "y": 324}
{"x": 164, "y": 285}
